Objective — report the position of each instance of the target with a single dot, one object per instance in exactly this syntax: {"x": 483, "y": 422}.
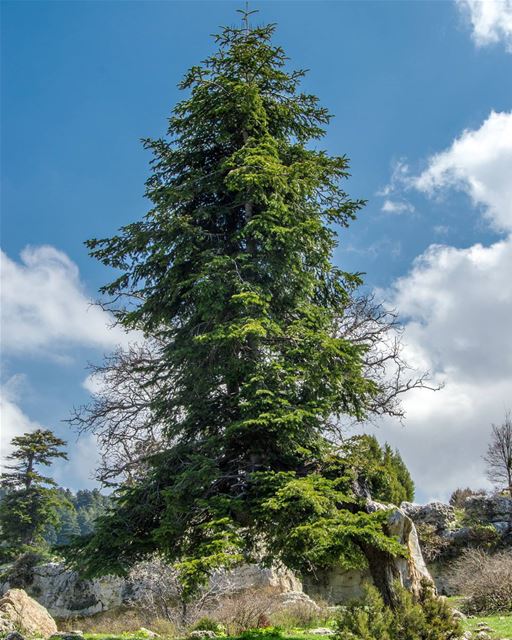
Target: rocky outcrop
{"x": 19, "y": 612}
{"x": 250, "y": 577}
{"x": 337, "y": 586}
{"x": 441, "y": 516}
{"x": 67, "y": 595}
{"x": 494, "y": 509}
{"x": 412, "y": 570}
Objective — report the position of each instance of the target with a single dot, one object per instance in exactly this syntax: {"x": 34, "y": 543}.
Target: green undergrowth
{"x": 501, "y": 625}
{"x": 256, "y": 634}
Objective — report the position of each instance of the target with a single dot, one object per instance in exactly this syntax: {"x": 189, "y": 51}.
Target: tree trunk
{"x": 383, "y": 571}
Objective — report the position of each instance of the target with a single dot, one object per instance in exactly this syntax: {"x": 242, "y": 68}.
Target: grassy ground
{"x": 501, "y": 625}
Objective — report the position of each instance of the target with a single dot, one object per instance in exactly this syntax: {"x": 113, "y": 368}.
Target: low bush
{"x": 430, "y": 618}
{"x": 302, "y": 615}
{"x": 242, "y": 611}
{"x": 485, "y": 580}
{"x": 208, "y": 624}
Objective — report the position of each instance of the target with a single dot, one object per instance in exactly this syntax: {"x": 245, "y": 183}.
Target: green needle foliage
{"x": 230, "y": 273}
{"x": 30, "y": 502}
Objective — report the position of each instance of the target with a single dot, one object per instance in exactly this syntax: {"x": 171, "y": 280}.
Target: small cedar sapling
{"x": 30, "y": 502}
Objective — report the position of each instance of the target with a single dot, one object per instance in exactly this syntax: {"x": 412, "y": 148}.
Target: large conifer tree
{"x": 230, "y": 273}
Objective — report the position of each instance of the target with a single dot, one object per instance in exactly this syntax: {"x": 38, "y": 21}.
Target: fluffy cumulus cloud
{"x": 13, "y": 421}
{"x": 491, "y": 21}
{"x": 45, "y": 309}
{"x": 478, "y": 162}
{"x": 83, "y": 453}
{"x": 457, "y": 304}
{"x": 457, "y": 308}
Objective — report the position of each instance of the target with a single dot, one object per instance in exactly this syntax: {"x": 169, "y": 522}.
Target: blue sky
{"x": 407, "y": 82}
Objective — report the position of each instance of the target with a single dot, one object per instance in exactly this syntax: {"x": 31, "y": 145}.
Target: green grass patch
{"x": 501, "y": 625}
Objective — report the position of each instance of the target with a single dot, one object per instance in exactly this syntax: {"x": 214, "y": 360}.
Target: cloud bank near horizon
{"x": 456, "y": 304}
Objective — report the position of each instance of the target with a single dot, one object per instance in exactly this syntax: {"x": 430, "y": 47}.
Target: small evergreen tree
{"x": 30, "y": 502}
{"x": 380, "y": 471}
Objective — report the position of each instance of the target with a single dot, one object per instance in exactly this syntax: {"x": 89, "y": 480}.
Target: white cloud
{"x": 457, "y": 307}
{"x": 491, "y": 21}
{"x": 397, "y": 206}
{"x": 75, "y": 473}
{"x": 45, "y": 309}
{"x": 13, "y": 422}
{"x": 479, "y": 162}
{"x": 458, "y": 303}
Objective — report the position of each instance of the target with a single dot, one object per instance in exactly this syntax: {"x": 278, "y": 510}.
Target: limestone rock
{"x": 19, "y": 612}
{"x": 412, "y": 570}
{"x": 336, "y": 585}
{"x": 252, "y": 576}
{"x": 321, "y": 631}
{"x": 494, "y": 509}
{"x": 458, "y": 615}
{"x": 439, "y": 515}
{"x": 66, "y": 595}
{"x": 201, "y": 634}
{"x": 291, "y": 599}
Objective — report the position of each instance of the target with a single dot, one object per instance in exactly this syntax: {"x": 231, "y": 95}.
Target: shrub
{"x": 301, "y": 615}
{"x": 208, "y": 624}
{"x": 433, "y": 546}
{"x": 369, "y": 619}
{"x": 242, "y": 611}
{"x": 458, "y": 497}
{"x": 486, "y": 581}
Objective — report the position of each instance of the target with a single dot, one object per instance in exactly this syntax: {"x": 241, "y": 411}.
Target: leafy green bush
{"x": 370, "y": 619}
{"x": 208, "y": 624}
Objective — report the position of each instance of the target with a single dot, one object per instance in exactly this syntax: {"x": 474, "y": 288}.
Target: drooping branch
{"x": 370, "y": 324}
{"x": 121, "y": 415}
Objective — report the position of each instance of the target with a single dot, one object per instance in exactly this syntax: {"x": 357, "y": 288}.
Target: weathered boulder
{"x": 338, "y": 586}
{"x": 412, "y": 571}
{"x": 439, "y": 515}
{"x": 14, "y": 635}
{"x": 65, "y": 594}
{"x": 19, "y": 612}
{"x": 202, "y": 634}
{"x": 490, "y": 509}
{"x": 292, "y": 599}
{"x": 250, "y": 577}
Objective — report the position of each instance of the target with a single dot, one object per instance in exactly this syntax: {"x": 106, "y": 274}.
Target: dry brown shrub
{"x": 244, "y": 610}
{"x": 485, "y": 580}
